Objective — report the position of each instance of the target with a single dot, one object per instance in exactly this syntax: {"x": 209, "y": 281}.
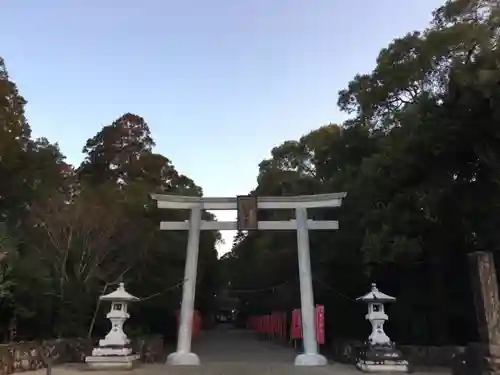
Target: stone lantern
{"x": 379, "y": 354}
{"x": 114, "y": 351}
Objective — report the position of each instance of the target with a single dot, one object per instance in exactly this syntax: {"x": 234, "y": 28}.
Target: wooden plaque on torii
{"x": 247, "y": 212}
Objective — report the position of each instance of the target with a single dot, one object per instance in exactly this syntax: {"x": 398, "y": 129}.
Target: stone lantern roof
{"x": 120, "y": 294}
{"x": 376, "y": 296}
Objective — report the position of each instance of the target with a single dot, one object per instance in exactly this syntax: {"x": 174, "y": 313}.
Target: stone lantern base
{"x": 379, "y": 358}
{"x": 112, "y": 362}
{"x": 108, "y": 358}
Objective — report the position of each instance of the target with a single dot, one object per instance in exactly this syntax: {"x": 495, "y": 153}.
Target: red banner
{"x": 284, "y": 327}
{"x": 197, "y": 322}
{"x": 275, "y": 324}
{"x": 279, "y": 323}
{"x": 296, "y": 325}
{"x": 320, "y": 324}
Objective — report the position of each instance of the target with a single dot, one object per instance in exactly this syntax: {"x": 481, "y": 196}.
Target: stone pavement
{"x": 227, "y": 351}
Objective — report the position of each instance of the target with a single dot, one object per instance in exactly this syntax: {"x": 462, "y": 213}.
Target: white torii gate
{"x": 247, "y": 207}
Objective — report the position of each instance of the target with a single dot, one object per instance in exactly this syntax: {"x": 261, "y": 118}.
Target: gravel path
{"x": 233, "y": 352}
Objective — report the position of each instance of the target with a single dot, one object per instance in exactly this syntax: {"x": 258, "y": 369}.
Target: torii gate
{"x": 247, "y": 207}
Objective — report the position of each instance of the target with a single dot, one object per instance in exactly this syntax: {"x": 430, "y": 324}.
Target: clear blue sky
{"x": 220, "y": 82}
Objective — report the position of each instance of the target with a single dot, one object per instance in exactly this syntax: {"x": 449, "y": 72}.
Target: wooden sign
{"x": 247, "y": 212}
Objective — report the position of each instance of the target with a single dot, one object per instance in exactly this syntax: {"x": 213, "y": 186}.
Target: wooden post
{"x": 486, "y": 355}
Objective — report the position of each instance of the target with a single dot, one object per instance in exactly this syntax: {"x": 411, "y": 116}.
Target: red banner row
{"x": 275, "y": 324}
{"x": 197, "y": 321}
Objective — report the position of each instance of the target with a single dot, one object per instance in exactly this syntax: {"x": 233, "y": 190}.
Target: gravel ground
{"x": 232, "y": 352}
{"x": 225, "y": 368}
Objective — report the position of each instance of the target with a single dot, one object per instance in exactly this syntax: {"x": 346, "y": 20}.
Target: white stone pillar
{"x": 183, "y": 355}
{"x": 311, "y": 357}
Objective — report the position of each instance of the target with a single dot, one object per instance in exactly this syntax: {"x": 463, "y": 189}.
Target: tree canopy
{"x": 419, "y": 159}
{"x": 70, "y": 233}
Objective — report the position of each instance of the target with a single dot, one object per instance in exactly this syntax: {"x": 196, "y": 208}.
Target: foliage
{"x": 70, "y": 234}
{"x": 420, "y": 162}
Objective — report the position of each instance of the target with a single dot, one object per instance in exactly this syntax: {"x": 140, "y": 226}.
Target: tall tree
{"x": 112, "y": 153}
{"x": 14, "y": 141}
{"x": 419, "y": 63}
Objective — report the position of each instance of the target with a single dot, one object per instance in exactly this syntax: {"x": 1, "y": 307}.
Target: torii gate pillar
{"x": 183, "y": 355}
{"x": 311, "y": 357}
{"x": 247, "y": 220}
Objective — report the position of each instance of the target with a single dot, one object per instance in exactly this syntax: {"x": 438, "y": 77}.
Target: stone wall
{"x": 150, "y": 348}
{"x": 344, "y": 351}
{"x": 431, "y": 356}
{"x": 32, "y": 355}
